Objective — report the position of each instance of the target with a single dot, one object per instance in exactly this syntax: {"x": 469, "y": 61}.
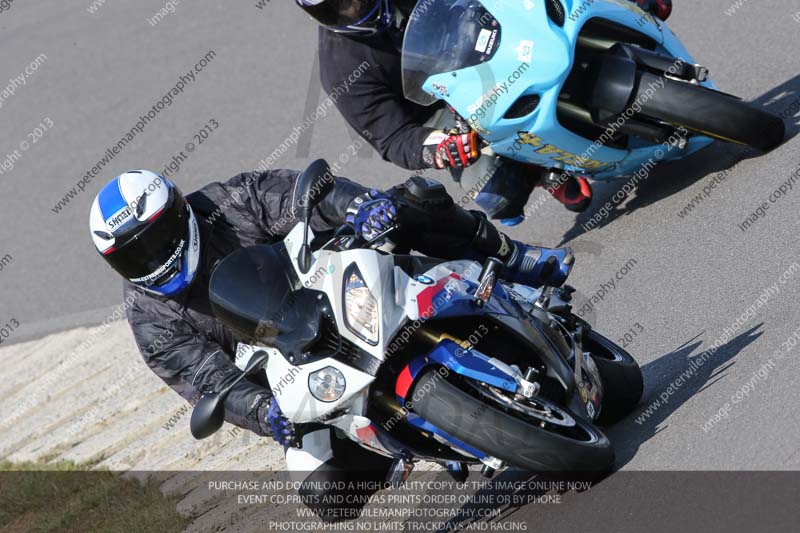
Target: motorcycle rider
{"x": 166, "y": 245}
{"x": 417, "y": 137}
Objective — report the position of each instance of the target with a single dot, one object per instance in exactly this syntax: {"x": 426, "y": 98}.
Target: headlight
{"x": 327, "y": 385}
{"x": 361, "y": 308}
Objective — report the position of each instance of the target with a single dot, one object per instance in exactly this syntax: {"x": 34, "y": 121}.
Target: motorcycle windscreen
{"x": 445, "y": 36}
{"x": 255, "y": 293}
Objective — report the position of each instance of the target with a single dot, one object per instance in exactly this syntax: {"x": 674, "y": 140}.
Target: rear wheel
{"x": 709, "y": 112}
{"x": 535, "y": 435}
{"x": 621, "y": 376}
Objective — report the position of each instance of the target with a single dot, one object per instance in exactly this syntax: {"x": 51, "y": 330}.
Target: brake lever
{"x": 380, "y": 237}
{"x": 460, "y": 124}
{"x": 463, "y": 126}
{"x": 345, "y": 239}
{"x": 344, "y": 229}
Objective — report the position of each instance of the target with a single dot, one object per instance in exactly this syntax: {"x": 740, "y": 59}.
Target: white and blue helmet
{"x": 144, "y": 228}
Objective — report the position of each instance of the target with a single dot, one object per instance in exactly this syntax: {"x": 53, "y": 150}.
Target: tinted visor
{"x": 155, "y": 252}
{"x": 341, "y": 13}
{"x": 445, "y": 36}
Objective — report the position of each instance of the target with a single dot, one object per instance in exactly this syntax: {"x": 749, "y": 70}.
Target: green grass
{"x": 65, "y": 496}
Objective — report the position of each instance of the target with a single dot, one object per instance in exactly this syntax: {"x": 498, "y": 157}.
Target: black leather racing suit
{"x": 365, "y": 74}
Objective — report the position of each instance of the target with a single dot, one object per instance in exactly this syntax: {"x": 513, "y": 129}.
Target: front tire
{"x": 709, "y": 112}
{"x": 507, "y": 435}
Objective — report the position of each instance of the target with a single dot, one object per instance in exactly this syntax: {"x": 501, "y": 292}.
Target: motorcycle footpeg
{"x": 560, "y": 302}
{"x": 567, "y": 292}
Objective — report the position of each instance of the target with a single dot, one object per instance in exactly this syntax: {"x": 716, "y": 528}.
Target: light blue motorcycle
{"x": 591, "y": 87}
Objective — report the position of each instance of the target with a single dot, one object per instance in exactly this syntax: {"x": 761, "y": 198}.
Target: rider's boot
{"x": 574, "y": 192}
{"x": 536, "y": 266}
{"x": 657, "y": 8}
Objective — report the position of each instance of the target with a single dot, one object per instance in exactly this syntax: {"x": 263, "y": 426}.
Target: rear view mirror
{"x": 313, "y": 186}
{"x": 208, "y": 414}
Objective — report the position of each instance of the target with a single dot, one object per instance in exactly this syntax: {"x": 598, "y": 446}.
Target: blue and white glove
{"x": 371, "y": 214}
{"x": 282, "y": 430}
{"x": 536, "y": 266}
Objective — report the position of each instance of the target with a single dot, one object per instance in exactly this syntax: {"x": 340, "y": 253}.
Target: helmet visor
{"x": 154, "y": 254}
{"x": 342, "y": 13}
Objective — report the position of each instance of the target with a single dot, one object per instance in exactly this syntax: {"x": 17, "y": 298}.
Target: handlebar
{"x": 344, "y": 239}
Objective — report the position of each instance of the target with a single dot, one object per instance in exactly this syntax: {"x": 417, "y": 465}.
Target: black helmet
{"x": 363, "y": 17}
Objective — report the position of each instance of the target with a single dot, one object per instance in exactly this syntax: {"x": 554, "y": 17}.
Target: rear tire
{"x": 622, "y": 378}
{"x": 506, "y": 436}
{"x": 712, "y": 113}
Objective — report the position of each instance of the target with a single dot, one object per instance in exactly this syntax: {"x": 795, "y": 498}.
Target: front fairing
{"x": 407, "y": 299}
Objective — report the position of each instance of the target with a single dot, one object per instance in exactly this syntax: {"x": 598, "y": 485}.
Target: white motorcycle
{"x": 417, "y": 358}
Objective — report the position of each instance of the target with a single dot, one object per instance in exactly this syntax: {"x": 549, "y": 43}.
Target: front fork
{"x": 617, "y": 86}
{"x": 558, "y": 305}
{"x": 587, "y": 376}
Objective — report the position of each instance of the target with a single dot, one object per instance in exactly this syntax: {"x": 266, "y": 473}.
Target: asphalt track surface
{"x": 694, "y": 278}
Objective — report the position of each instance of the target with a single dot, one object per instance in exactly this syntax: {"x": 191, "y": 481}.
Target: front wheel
{"x": 709, "y": 112}
{"x": 538, "y": 436}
